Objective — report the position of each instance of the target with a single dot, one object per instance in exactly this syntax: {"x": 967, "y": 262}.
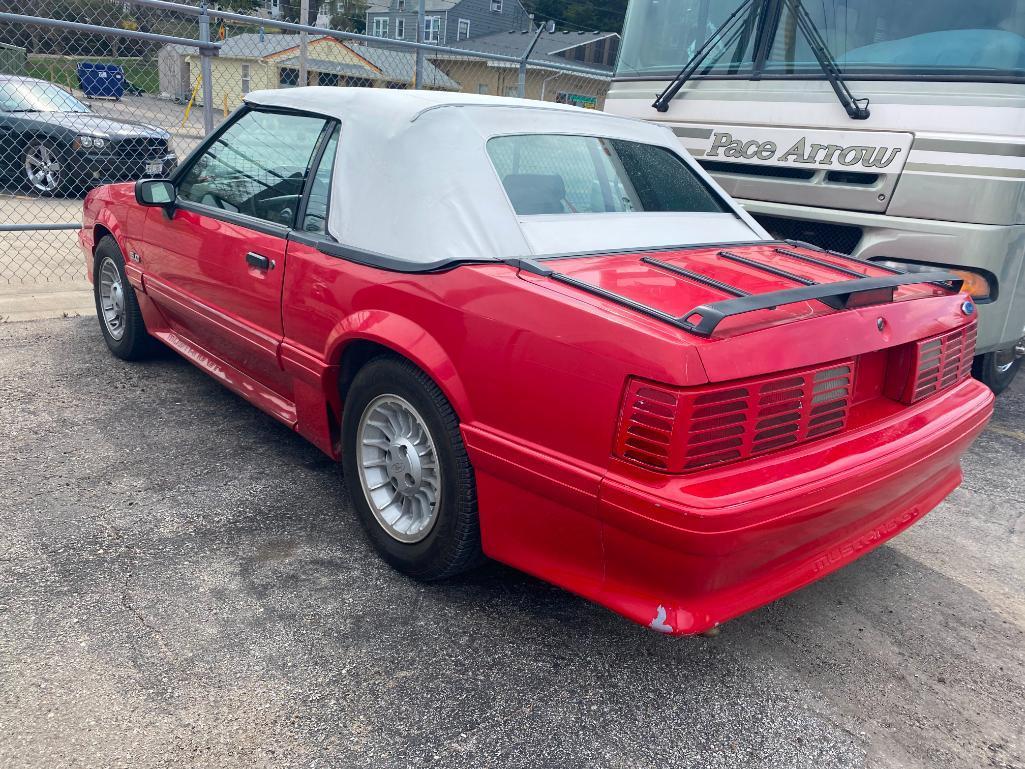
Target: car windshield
{"x": 33, "y": 96}
{"x": 889, "y": 38}
{"x": 563, "y": 174}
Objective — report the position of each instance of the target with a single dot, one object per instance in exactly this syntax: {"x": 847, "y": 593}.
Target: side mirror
{"x": 155, "y": 192}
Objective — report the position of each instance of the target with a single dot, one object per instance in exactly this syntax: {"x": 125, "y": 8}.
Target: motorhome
{"x": 884, "y": 129}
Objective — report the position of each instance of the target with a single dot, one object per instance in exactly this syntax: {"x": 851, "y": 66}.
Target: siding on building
{"x": 502, "y": 80}
{"x": 483, "y": 21}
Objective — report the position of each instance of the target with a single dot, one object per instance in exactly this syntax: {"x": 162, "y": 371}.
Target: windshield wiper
{"x": 661, "y": 102}
{"x": 856, "y": 108}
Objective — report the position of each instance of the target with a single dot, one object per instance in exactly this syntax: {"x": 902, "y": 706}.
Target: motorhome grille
{"x": 842, "y": 238}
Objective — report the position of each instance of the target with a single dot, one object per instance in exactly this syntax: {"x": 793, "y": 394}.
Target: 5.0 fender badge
{"x": 134, "y": 257}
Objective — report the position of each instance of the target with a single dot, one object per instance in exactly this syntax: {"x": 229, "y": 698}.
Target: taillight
{"x": 677, "y": 430}
{"x": 929, "y": 366}
{"x": 646, "y": 423}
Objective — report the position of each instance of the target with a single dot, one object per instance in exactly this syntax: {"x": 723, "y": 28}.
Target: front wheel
{"x": 117, "y": 307}
{"x": 408, "y": 472}
{"x": 997, "y": 369}
{"x": 44, "y": 172}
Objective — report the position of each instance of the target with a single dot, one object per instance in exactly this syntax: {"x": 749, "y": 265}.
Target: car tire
{"x": 44, "y": 171}
{"x": 117, "y": 307}
{"x": 996, "y": 370}
{"x": 396, "y": 425}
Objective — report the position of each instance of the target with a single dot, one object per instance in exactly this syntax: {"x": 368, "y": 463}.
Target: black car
{"x": 53, "y": 144}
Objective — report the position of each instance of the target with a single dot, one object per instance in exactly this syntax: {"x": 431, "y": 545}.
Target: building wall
{"x": 483, "y": 21}
{"x": 504, "y": 80}
{"x": 227, "y": 72}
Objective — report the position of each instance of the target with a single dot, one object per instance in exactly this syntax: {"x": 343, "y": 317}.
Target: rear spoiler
{"x": 704, "y": 319}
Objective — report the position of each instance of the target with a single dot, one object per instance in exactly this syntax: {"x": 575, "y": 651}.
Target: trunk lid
{"x": 785, "y": 336}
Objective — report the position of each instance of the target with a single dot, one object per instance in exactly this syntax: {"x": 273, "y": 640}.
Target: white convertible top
{"x": 413, "y": 180}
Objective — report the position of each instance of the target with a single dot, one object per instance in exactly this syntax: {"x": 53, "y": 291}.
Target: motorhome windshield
{"x": 942, "y": 39}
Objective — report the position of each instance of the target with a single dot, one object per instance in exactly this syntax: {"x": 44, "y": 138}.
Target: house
{"x": 593, "y": 51}
{"x": 446, "y": 22}
{"x": 250, "y": 62}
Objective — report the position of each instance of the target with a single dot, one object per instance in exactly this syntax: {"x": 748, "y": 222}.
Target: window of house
{"x": 432, "y": 29}
{"x": 315, "y": 216}
{"x": 288, "y": 77}
{"x": 463, "y": 29}
{"x": 256, "y": 167}
{"x": 401, "y": 5}
{"x": 400, "y": 29}
{"x": 380, "y": 26}
{"x": 512, "y": 90}
{"x": 496, "y": 6}
{"x": 358, "y": 82}
{"x": 482, "y": 89}
{"x": 327, "y": 78}
{"x": 246, "y": 77}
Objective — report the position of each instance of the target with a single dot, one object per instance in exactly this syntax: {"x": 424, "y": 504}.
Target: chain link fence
{"x": 100, "y": 91}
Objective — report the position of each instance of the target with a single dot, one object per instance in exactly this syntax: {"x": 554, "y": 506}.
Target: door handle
{"x": 259, "y": 261}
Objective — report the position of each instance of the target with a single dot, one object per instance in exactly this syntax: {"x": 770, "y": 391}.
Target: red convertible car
{"x": 544, "y": 335}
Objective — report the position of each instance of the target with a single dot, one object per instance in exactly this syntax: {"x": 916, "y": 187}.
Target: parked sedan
{"x": 53, "y": 144}
{"x": 544, "y": 335}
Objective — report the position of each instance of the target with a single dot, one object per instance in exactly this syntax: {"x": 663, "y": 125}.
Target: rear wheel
{"x": 117, "y": 307}
{"x": 997, "y": 370}
{"x": 408, "y": 473}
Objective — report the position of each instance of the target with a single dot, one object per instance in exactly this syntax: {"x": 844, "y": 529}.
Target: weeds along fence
{"x": 95, "y": 91}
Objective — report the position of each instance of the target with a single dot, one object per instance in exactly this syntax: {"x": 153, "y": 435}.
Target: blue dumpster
{"x": 105, "y": 81}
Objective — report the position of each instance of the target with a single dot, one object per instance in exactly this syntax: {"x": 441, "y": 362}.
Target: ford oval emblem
{"x": 968, "y": 308}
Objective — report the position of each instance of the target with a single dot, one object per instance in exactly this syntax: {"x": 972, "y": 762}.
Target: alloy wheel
{"x": 42, "y": 169}
{"x": 112, "y": 299}
{"x": 398, "y": 468}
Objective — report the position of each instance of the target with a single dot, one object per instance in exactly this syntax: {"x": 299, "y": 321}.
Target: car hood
{"x": 95, "y": 125}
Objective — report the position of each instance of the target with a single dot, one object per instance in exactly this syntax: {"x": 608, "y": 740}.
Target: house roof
{"x": 420, "y": 157}
{"x": 400, "y": 65}
{"x": 249, "y": 45}
{"x": 515, "y": 43}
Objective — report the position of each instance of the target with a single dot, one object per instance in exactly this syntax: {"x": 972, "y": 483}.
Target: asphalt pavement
{"x": 182, "y": 583}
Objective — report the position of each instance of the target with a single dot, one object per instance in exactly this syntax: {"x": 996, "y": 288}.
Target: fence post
{"x": 421, "y": 19}
{"x": 304, "y": 18}
{"x": 206, "y": 70}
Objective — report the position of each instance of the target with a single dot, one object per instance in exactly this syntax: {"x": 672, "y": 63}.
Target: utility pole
{"x": 521, "y": 83}
{"x": 304, "y": 18}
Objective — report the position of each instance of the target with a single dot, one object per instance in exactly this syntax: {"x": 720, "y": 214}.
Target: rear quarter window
{"x": 565, "y": 174}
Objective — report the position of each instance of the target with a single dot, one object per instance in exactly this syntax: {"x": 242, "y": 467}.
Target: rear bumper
{"x": 685, "y": 554}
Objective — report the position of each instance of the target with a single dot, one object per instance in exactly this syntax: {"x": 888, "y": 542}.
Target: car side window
{"x": 315, "y": 217}
{"x": 257, "y": 167}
